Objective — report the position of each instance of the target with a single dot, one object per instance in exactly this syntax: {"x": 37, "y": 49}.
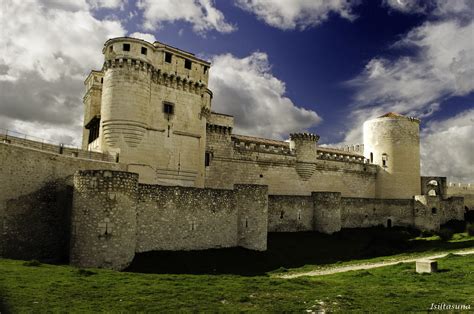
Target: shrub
{"x": 470, "y": 229}
{"x": 446, "y": 233}
{"x": 32, "y": 263}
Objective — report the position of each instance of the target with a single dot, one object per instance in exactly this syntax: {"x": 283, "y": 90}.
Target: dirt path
{"x": 373, "y": 265}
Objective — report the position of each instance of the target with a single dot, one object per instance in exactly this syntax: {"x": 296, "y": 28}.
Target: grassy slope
{"x": 300, "y": 251}
{"x": 389, "y": 289}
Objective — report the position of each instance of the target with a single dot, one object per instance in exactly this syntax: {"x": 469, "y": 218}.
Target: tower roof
{"x": 392, "y": 115}
{"x": 398, "y": 116}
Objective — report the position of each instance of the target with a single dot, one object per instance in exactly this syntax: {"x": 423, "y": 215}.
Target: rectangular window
{"x": 144, "y": 51}
{"x": 126, "y": 47}
{"x": 207, "y": 159}
{"x": 111, "y": 48}
{"x": 93, "y": 126}
{"x": 384, "y": 160}
{"x": 205, "y": 69}
{"x": 168, "y": 57}
{"x": 168, "y": 108}
{"x": 187, "y": 64}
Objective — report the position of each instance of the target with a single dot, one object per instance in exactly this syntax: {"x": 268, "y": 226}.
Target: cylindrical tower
{"x": 103, "y": 230}
{"x": 125, "y": 109}
{"x": 306, "y": 153}
{"x": 392, "y": 141}
{"x": 305, "y": 146}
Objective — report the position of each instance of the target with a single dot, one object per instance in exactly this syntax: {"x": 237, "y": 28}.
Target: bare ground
{"x": 342, "y": 269}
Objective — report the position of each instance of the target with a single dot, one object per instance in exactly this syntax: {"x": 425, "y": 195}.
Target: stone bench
{"x": 426, "y": 266}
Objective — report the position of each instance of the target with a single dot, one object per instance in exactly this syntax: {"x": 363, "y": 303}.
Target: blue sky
{"x": 279, "y": 66}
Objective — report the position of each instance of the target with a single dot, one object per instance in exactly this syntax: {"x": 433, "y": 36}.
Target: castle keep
{"x": 159, "y": 170}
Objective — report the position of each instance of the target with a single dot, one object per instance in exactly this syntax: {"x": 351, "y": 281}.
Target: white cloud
{"x": 299, "y": 14}
{"x": 410, "y": 6}
{"x": 202, "y": 14}
{"x": 44, "y": 58}
{"x": 145, "y": 36}
{"x": 107, "y": 4}
{"x": 246, "y": 89}
{"x": 442, "y": 67}
{"x": 447, "y": 148}
{"x": 438, "y": 8}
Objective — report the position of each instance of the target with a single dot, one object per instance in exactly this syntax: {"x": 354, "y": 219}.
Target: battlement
{"x": 304, "y": 137}
{"x": 262, "y": 145}
{"x": 464, "y": 186}
{"x": 158, "y": 76}
{"x": 335, "y": 155}
{"x": 158, "y": 56}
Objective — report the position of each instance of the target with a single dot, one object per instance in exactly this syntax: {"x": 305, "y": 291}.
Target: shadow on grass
{"x": 3, "y": 305}
{"x": 291, "y": 250}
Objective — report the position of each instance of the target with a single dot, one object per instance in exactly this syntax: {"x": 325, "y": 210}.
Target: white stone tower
{"x": 153, "y": 110}
{"x": 392, "y": 141}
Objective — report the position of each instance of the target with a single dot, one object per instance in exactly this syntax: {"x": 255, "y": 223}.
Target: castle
{"x": 159, "y": 170}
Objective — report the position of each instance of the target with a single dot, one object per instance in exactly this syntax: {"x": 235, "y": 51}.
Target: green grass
{"x": 420, "y": 247}
{"x": 47, "y": 288}
{"x": 301, "y": 251}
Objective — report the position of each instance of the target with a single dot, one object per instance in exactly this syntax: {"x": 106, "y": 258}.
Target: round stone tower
{"x": 103, "y": 229}
{"x": 125, "y": 106}
{"x": 306, "y": 153}
{"x": 392, "y": 141}
{"x": 154, "y": 108}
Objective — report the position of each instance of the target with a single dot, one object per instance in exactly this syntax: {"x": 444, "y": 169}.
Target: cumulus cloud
{"x": 246, "y": 89}
{"x": 416, "y": 85}
{"x": 202, "y": 14}
{"x": 299, "y": 14}
{"x": 44, "y": 59}
{"x": 447, "y": 146}
{"x": 145, "y": 36}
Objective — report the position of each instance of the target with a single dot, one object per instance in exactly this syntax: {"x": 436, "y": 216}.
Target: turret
{"x": 392, "y": 141}
{"x": 92, "y": 103}
{"x": 306, "y": 153}
{"x": 104, "y": 228}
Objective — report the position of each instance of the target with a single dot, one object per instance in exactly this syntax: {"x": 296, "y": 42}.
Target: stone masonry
{"x": 159, "y": 170}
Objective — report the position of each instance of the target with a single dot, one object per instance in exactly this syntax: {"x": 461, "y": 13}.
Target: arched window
{"x": 434, "y": 210}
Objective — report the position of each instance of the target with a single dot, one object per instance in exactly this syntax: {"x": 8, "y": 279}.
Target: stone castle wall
{"x": 181, "y": 218}
{"x": 282, "y": 178}
{"x": 103, "y": 220}
{"x": 465, "y": 190}
{"x": 113, "y": 217}
{"x": 36, "y": 199}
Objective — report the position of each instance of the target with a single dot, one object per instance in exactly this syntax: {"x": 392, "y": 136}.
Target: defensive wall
{"x": 328, "y": 212}
{"x": 113, "y": 217}
{"x": 110, "y": 216}
{"x": 465, "y": 190}
{"x": 287, "y": 171}
{"x": 36, "y": 197}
